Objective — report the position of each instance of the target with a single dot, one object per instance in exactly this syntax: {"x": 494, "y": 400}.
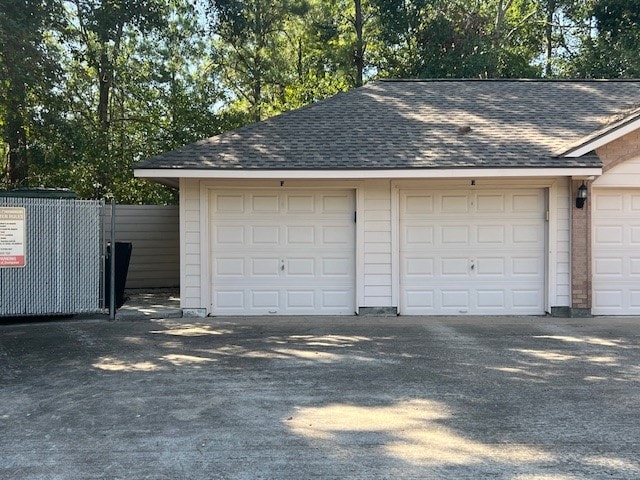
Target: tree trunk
{"x": 16, "y": 137}
{"x": 104, "y": 86}
{"x": 358, "y": 56}
{"x": 548, "y": 33}
{"x": 256, "y": 89}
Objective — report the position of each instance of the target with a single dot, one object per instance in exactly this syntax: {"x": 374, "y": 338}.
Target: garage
{"x": 472, "y": 252}
{"x": 616, "y": 252}
{"x": 282, "y": 252}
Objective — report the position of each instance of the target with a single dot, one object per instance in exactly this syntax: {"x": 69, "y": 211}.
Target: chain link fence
{"x": 62, "y": 258}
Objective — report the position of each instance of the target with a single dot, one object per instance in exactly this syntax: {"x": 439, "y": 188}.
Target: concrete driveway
{"x": 295, "y": 398}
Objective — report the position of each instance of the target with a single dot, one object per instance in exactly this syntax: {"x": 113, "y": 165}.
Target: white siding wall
{"x": 190, "y": 239}
{"x": 153, "y": 231}
{"x": 624, "y": 175}
{"x": 563, "y": 245}
{"x": 377, "y": 244}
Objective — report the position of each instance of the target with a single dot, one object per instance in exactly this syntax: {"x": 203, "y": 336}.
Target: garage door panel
{"x": 457, "y": 299}
{"x": 300, "y": 299}
{"x": 494, "y": 299}
{"x": 418, "y": 299}
{"x": 608, "y": 266}
{"x": 299, "y": 203}
{"x": 265, "y": 267}
{"x": 265, "y": 298}
{"x": 336, "y": 299}
{"x": 608, "y": 203}
{"x": 607, "y": 234}
{"x": 608, "y": 298}
{"x": 454, "y": 234}
{"x": 265, "y": 235}
{"x": 616, "y": 252}
{"x": 527, "y": 266}
{"x": 454, "y": 203}
{"x": 418, "y": 267}
{"x": 527, "y": 203}
{"x": 491, "y": 234}
{"x": 229, "y": 203}
{"x": 418, "y": 235}
{"x": 337, "y": 267}
{"x": 634, "y": 298}
{"x": 454, "y": 266}
{"x": 265, "y": 203}
{"x": 488, "y": 257}
{"x": 301, "y": 267}
{"x": 526, "y": 298}
{"x": 300, "y": 235}
{"x": 488, "y": 266}
{"x": 229, "y": 267}
{"x": 417, "y": 204}
{"x": 230, "y": 299}
{"x": 490, "y": 203}
{"x": 524, "y": 234}
{"x": 283, "y": 252}
{"x": 337, "y": 235}
{"x": 334, "y": 203}
{"x": 232, "y": 234}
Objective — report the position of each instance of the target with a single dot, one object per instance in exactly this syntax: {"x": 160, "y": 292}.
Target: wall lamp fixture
{"x": 582, "y": 196}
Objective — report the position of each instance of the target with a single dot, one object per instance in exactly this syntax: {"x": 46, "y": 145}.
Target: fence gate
{"x": 50, "y": 256}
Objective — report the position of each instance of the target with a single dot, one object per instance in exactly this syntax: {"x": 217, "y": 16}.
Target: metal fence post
{"x": 112, "y": 278}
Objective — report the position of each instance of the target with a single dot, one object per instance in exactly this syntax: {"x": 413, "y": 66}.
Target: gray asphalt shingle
{"x": 420, "y": 124}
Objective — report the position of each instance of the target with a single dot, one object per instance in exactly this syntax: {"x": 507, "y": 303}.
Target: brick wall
{"x": 620, "y": 150}
{"x": 580, "y": 251}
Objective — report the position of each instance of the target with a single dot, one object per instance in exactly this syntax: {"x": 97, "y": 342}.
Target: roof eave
{"x": 602, "y": 137}
{"x": 414, "y": 173}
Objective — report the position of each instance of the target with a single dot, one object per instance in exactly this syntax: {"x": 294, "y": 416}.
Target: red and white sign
{"x": 12, "y": 237}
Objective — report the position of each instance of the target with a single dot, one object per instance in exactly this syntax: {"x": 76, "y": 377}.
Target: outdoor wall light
{"x": 582, "y": 196}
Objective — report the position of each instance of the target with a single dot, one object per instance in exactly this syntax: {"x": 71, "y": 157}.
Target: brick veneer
{"x": 622, "y": 149}
{"x": 580, "y": 252}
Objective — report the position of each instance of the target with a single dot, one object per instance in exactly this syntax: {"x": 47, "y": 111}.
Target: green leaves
{"x": 90, "y": 87}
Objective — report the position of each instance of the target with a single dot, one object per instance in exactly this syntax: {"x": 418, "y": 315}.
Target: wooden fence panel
{"x": 154, "y": 232}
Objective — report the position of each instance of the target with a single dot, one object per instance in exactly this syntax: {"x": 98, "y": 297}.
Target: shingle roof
{"x": 420, "y": 124}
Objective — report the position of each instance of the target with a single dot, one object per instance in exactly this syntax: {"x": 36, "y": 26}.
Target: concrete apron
{"x": 318, "y": 397}
{"x": 150, "y": 305}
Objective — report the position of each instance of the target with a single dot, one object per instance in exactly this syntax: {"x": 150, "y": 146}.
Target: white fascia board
{"x": 604, "y": 139}
{"x": 365, "y": 174}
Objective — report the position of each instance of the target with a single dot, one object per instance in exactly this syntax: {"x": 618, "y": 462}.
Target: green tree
{"x": 27, "y": 72}
{"x": 460, "y": 38}
{"x": 252, "y": 49}
{"x": 610, "y": 41}
{"x": 163, "y": 93}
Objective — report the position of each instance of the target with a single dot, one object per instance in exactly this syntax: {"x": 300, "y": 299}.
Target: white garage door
{"x": 616, "y": 252}
{"x": 282, "y": 252}
{"x": 472, "y": 252}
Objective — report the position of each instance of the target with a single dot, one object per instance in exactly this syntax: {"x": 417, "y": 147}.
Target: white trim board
{"x": 365, "y": 174}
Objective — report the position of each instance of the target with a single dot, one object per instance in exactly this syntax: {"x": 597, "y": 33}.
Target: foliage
{"x": 27, "y": 73}
{"x": 90, "y": 87}
{"x": 611, "y": 41}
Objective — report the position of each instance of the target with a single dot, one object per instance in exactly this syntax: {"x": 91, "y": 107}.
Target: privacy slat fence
{"x": 154, "y": 232}
{"x": 63, "y": 255}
